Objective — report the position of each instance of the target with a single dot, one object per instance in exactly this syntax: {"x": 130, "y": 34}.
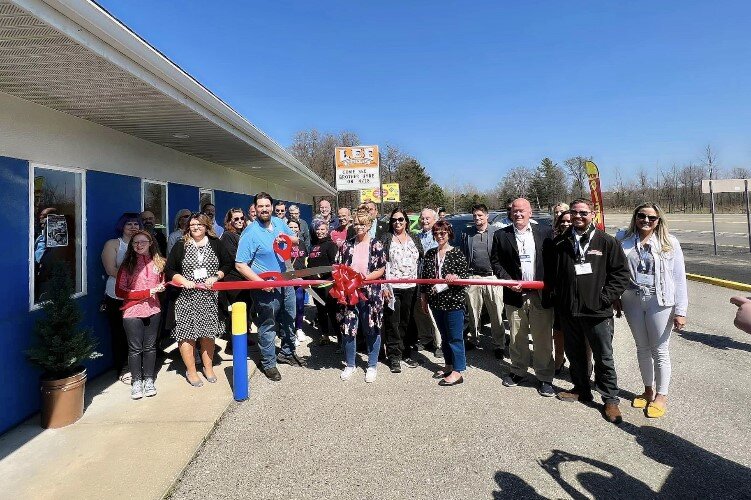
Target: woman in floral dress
{"x": 366, "y": 256}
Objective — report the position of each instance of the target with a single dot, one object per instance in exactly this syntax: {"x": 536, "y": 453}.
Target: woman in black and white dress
{"x": 199, "y": 259}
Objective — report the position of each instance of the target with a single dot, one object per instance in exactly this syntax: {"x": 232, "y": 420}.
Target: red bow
{"x": 346, "y": 286}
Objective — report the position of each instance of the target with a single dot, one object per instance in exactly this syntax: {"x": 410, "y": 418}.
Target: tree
{"x": 61, "y": 345}
{"x": 576, "y": 169}
{"x": 417, "y": 190}
{"x": 548, "y": 185}
{"x": 515, "y": 184}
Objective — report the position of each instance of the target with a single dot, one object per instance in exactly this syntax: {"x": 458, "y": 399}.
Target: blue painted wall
{"x": 107, "y": 197}
{"x": 180, "y": 196}
{"x": 19, "y": 391}
{"x": 224, "y": 200}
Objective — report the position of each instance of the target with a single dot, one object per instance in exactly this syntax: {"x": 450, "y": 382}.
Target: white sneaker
{"x": 370, "y": 374}
{"x": 301, "y": 336}
{"x": 347, "y": 373}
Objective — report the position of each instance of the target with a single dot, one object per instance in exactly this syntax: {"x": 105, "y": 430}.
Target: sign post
{"x": 712, "y": 186}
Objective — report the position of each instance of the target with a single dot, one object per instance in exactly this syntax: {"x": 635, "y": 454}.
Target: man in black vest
{"x": 519, "y": 252}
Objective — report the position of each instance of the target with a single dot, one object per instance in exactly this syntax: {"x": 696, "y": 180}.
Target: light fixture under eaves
{"x": 256, "y": 168}
{"x": 180, "y": 136}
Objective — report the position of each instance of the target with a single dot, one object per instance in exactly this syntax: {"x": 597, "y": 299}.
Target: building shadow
{"x": 716, "y": 341}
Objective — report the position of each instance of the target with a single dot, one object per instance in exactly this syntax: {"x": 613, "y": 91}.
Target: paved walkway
{"x": 120, "y": 448}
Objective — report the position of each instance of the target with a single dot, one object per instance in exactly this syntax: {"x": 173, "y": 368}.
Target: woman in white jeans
{"x": 655, "y": 302}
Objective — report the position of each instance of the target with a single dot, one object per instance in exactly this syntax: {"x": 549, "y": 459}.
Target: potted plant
{"x": 60, "y": 350}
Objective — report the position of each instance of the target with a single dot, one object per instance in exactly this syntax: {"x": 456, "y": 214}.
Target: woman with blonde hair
{"x": 655, "y": 302}
{"x": 139, "y": 280}
{"x": 366, "y": 256}
{"x": 199, "y": 259}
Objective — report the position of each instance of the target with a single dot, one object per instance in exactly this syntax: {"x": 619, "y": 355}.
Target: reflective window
{"x": 205, "y": 196}
{"x": 154, "y": 200}
{"x": 57, "y": 221}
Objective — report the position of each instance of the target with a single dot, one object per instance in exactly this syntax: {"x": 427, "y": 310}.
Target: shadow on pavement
{"x": 716, "y": 341}
{"x": 695, "y": 472}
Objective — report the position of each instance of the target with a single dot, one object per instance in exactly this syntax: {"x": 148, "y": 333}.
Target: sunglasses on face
{"x": 236, "y": 219}
{"x": 397, "y": 219}
{"x": 580, "y": 213}
{"x": 650, "y": 218}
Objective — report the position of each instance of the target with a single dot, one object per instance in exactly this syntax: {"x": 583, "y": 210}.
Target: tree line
{"x": 676, "y": 188}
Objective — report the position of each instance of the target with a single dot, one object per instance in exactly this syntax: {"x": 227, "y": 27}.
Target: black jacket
{"x": 588, "y": 295}
{"x": 504, "y": 257}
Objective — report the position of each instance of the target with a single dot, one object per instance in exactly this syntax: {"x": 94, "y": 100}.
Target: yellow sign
{"x": 357, "y": 167}
{"x": 390, "y": 191}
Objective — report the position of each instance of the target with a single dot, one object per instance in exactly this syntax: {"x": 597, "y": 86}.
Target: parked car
{"x": 462, "y": 222}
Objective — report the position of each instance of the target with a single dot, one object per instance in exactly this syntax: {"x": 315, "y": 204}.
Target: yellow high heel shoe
{"x": 639, "y": 402}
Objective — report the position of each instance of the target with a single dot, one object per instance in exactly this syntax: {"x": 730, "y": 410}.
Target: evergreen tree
{"x": 61, "y": 346}
{"x": 548, "y": 185}
{"x": 416, "y": 189}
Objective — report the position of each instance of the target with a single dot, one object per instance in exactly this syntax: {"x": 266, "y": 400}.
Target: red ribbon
{"x": 347, "y": 283}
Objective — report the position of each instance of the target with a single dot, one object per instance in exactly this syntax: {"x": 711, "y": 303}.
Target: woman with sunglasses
{"x": 562, "y": 219}
{"x": 139, "y": 280}
{"x": 446, "y": 301}
{"x": 365, "y": 255}
{"x": 655, "y": 302}
{"x": 404, "y": 253}
{"x": 199, "y": 259}
{"x": 234, "y": 224}
{"x": 112, "y": 257}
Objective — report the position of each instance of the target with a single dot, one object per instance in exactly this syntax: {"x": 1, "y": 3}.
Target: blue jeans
{"x": 372, "y": 338}
{"x": 300, "y": 306}
{"x": 451, "y": 324}
{"x": 274, "y": 309}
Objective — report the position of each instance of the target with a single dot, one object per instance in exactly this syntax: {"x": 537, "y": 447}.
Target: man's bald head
{"x": 521, "y": 211}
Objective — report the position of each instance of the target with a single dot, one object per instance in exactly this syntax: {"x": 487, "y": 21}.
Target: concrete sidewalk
{"x": 120, "y": 448}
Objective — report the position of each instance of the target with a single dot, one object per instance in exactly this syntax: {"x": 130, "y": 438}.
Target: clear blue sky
{"x": 473, "y": 89}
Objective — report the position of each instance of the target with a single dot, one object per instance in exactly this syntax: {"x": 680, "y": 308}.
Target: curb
{"x": 743, "y": 287}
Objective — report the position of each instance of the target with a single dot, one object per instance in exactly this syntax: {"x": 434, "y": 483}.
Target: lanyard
{"x": 439, "y": 264}
{"x": 579, "y": 249}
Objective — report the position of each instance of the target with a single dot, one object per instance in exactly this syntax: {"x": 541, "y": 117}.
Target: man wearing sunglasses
{"x": 590, "y": 272}
{"x": 477, "y": 244}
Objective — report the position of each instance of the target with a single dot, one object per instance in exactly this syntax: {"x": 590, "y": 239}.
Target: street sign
{"x": 723, "y": 185}
{"x": 357, "y": 167}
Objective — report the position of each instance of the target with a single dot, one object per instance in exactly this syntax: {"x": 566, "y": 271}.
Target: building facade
{"x": 94, "y": 122}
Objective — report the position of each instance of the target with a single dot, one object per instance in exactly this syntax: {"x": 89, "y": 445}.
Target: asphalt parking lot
{"x": 313, "y": 436}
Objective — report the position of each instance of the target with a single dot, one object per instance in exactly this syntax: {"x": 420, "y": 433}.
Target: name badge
{"x": 440, "y": 287}
{"x": 645, "y": 279}
{"x": 200, "y": 273}
{"x": 585, "y": 268}
{"x": 525, "y": 258}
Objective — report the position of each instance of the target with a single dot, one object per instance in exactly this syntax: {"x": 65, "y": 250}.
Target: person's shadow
{"x": 716, "y": 341}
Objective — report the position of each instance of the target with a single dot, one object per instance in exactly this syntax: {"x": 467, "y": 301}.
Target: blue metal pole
{"x": 240, "y": 387}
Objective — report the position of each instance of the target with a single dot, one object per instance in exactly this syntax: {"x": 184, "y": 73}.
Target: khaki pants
{"x": 492, "y": 298}
{"x": 531, "y": 318}
{"x": 427, "y": 330}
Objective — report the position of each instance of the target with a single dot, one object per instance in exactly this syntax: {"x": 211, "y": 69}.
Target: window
{"x": 154, "y": 200}
{"x": 58, "y": 231}
{"x": 205, "y": 196}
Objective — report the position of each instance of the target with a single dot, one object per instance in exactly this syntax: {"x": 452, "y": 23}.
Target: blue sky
{"x": 473, "y": 89}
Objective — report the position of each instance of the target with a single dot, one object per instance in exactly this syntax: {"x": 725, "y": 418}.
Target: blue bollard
{"x": 240, "y": 387}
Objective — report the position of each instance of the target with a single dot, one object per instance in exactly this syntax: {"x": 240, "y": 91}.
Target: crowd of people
{"x": 589, "y": 276}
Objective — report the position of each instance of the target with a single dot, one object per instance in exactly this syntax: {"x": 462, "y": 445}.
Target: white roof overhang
{"x": 73, "y": 56}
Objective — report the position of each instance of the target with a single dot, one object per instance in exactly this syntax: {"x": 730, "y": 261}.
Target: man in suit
{"x": 379, "y": 227}
{"x": 521, "y": 251}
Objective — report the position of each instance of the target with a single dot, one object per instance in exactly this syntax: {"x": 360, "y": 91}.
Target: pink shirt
{"x": 360, "y": 256}
{"x": 134, "y": 289}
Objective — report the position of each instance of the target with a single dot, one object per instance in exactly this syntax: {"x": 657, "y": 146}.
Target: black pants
{"x": 396, "y": 323}
{"x": 117, "y": 333}
{"x": 327, "y": 323}
{"x": 142, "y": 334}
{"x": 599, "y": 333}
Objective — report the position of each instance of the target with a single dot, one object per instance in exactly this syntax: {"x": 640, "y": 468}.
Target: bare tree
{"x": 576, "y": 169}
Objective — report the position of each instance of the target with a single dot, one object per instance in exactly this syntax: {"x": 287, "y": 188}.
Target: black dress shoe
{"x": 273, "y": 374}
{"x": 291, "y": 359}
{"x": 448, "y": 384}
